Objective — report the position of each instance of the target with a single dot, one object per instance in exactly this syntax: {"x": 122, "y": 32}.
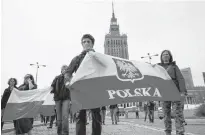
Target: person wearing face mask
{"x": 25, "y": 125}
{"x": 7, "y": 92}
{"x": 87, "y": 42}
{"x": 62, "y": 102}
{"x": 175, "y": 74}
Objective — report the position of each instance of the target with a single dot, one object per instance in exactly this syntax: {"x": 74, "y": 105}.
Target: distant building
{"x": 203, "y": 76}
{"x": 186, "y": 72}
{"x": 115, "y": 44}
{"x": 196, "y": 94}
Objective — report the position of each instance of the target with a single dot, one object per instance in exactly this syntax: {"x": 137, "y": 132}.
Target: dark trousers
{"x": 137, "y": 114}
{"x": 42, "y": 118}
{"x": 45, "y": 119}
{"x": 52, "y": 120}
{"x": 146, "y": 113}
{"x": 81, "y": 122}
{"x": 151, "y": 116}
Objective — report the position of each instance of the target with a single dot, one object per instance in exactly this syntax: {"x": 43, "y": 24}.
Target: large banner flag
{"x": 25, "y": 104}
{"x": 48, "y": 107}
{"x": 104, "y": 80}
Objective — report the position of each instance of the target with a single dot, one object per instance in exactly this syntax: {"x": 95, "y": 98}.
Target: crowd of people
{"x": 60, "y": 89}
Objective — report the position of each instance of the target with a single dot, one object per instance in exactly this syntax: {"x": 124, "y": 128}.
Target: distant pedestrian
{"x": 151, "y": 106}
{"x": 113, "y": 113}
{"x": 137, "y": 113}
{"x": 52, "y": 118}
{"x": 175, "y": 74}
{"x": 146, "y": 111}
{"x": 103, "y": 113}
{"x": 118, "y": 114}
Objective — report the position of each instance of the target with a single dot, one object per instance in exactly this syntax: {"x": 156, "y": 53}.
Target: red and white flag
{"x": 26, "y": 104}
{"x": 104, "y": 80}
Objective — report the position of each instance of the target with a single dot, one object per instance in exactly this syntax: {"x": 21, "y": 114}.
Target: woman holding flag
{"x": 25, "y": 125}
{"x": 174, "y": 72}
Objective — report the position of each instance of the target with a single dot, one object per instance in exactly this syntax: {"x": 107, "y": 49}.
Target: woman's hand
{"x": 30, "y": 84}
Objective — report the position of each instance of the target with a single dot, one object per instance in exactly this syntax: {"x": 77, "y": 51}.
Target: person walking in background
{"x": 88, "y": 116}
{"x": 72, "y": 115}
{"x": 113, "y": 113}
{"x": 25, "y": 125}
{"x": 52, "y": 118}
{"x": 151, "y": 111}
{"x": 62, "y": 102}
{"x": 46, "y": 119}
{"x": 137, "y": 113}
{"x": 118, "y": 114}
{"x": 103, "y": 112}
{"x": 12, "y": 82}
{"x": 146, "y": 110}
{"x": 175, "y": 74}
{"x": 87, "y": 42}
{"x": 42, "y": 118}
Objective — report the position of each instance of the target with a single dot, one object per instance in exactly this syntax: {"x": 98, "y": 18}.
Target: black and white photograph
{"x": 102, "y": 67}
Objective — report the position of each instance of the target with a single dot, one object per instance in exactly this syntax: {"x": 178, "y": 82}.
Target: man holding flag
{"x": 87, "y": 42}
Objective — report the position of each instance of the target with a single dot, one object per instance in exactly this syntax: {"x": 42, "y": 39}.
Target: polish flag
{"x": 103, "y": 80}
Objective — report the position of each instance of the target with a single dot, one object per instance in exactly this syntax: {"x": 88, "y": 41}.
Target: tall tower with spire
{"x": 115, "y": 44}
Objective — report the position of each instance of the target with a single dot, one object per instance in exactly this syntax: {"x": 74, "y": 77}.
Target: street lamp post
{"x": 149, "y": 56}
{"x": 37, "y": 67}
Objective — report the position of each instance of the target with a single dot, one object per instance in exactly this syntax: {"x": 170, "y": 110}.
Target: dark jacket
{"x": 151, "y": 105}
{"x": 5, "y": 97}
{"x": 145, "y": 107}
{"x": 59, "y": 89}
{"x": 176, "y": 75}
{"x": 75, "y": 63}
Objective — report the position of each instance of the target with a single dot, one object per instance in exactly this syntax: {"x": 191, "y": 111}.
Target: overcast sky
{"x": 49, "y": 31}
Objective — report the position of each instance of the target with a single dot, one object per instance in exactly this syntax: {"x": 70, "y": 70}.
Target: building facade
{"x": 196, "y": 94}
{"x": 115, "y": 44}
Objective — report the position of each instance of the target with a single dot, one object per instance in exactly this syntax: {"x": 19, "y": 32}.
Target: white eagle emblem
{"x": 126, "y": 71}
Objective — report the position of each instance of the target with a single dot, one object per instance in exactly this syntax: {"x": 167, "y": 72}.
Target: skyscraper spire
{"x": 113, "y": 13}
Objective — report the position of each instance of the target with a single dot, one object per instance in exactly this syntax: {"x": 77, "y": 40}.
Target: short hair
{"x": 170, "y": 55}
{"x": 15, "y": 80}
{"x": 88, "y": 36}
{"x": 64, "y": 66}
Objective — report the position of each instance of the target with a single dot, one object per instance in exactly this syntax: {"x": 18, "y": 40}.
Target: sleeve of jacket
{"x": 180, "y": 80}
{"x": 71, "y": 69}
{"x": 53, "y": 85}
